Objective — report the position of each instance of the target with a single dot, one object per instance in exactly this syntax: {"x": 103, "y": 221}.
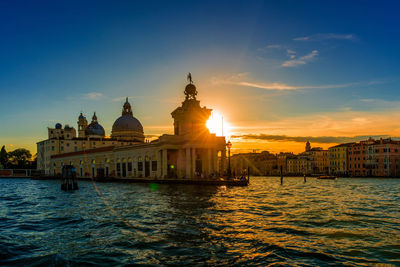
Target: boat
{"x": 327, "y": 177}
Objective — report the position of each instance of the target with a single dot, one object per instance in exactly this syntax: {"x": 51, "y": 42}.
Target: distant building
{"x": 374, "y": 158}
{"x": 308, "y": 146}
{"x": 263, "y": 163}
{"x": 338, "y": 159}
{"x": 313, "y": 161}
{"x": 64, "y": 140}
{"x": 282, "y": 159}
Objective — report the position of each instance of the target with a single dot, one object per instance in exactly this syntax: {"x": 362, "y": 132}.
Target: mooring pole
{"x": 248, "y": 174}
{"x": 305, "y": 179}
{"x": 281, "y": 175}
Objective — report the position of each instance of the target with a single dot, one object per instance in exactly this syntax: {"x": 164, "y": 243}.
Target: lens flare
{"x": 217, "y": 124}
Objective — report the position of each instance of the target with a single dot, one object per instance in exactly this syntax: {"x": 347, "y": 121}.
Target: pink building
{"x": 374, "y": 158}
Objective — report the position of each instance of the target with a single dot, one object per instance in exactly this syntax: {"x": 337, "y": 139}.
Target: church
{"x": 192, "y": 152}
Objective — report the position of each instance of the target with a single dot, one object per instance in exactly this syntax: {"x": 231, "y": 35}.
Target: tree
{"x": 3, "y": 157}
{"x": 20, "y": 156}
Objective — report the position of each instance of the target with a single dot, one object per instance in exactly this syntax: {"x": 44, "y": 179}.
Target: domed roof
{"x": 190, "y": 88}
{"x": 127, "y": 123}
{"x": 58, "y": 126}
{"x": 94, "y": 128}
{"x": 127, "y": 127}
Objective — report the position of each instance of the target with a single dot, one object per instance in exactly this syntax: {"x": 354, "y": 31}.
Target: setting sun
{"x": 217, "y": 124}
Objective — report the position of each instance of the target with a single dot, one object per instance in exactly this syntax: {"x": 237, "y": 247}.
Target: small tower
{"x": 82, "y": 124}
{"x": 308, "y": 146}
{"x": 191, "y": 118}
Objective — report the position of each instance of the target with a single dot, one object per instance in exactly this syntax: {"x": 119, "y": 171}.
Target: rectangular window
{"x": 154, "y": 165}
{"x": 52, "y": 148}
{"x": 140, "y": 166}
{"x": 62, "y": 148}
{"x": 75, "y": 149}
{"x": 118, "y": 169}
{"x": 129, "y": 166}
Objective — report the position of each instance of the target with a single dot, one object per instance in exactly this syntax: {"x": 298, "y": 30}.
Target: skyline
{"x": 286, "y": 74}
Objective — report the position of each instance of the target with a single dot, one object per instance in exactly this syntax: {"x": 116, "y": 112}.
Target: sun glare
{"x": 217, "y": 124}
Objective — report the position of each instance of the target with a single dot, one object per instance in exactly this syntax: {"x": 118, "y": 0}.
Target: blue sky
{"x": 288, "y": 68}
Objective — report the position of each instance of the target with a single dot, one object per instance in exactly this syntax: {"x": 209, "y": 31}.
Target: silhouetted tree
{"x": 3, "y": 157}
{"x": 19, "y": 157}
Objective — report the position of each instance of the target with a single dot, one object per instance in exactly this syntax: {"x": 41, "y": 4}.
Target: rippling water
{"x": 343, "y": 222}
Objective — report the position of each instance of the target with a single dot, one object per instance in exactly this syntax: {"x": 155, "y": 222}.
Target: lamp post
{"x": 229, "y": 145}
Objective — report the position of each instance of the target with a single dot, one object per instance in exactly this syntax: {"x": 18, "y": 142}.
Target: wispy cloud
{"x": 243, "y": 79}
{"x": 326, "y": 36}
{"x": 303, "y": 139}
{"x": 274, "y": 46}
{"x": 294, "y": 62}
{"x": 291, "y": 53}
{"x": 270, "y": 47}
{"x": 93, "y": 95}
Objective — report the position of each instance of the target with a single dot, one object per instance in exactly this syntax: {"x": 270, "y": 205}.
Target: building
{"x": 192, "y": 152}
{"x": 338, "y": 159}
{"x": 313, "y": 161}
{"x": 282, "y": 159}
{"x": 374, "y": 158}
{"x": 126, "y": 130}
{"x": 263, "y": 163}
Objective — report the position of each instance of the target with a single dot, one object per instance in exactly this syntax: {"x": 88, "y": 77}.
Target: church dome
{"x": 94, "y": 128}
{"x": 127, "y": 127}
{"x": 127, "y": 123}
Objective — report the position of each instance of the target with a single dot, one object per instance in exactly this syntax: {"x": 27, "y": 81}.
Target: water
{"x": 353, "y": 222}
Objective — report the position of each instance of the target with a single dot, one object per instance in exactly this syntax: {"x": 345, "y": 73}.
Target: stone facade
{"x": 192, "y": 152}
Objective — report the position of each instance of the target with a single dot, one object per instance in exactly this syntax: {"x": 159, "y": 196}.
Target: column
{"x": 164, "y": 163}
{"x": 223, "y": 161}
{"x": 115, "y": 167}
{"x": 159, "y": 164}
{"x": 209, "y": 161}
{"x": 193, "y": 162}
{"x": 215, "y": 160}
{"x": 180, "y": 163}
{"x": 187, "y": 165}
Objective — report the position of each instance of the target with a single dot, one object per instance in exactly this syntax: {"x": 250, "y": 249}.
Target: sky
{"x": 280, "y": 72}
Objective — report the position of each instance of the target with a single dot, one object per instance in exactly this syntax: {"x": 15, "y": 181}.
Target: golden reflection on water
{"x": 348, "y": 221}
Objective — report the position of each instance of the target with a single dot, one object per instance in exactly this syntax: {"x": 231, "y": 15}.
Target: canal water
{"x": 352, "y": 222}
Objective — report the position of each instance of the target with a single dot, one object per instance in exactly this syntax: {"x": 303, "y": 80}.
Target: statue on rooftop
{"x": 189, "y": 78}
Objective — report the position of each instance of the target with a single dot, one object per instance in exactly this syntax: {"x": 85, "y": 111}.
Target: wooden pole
{"x": 281, "y": 175}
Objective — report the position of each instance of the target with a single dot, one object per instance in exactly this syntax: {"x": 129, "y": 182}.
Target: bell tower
{"x": 191, "y": 118}
{"x": 82, "y": 124}
{"x": 308, "y": 146}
